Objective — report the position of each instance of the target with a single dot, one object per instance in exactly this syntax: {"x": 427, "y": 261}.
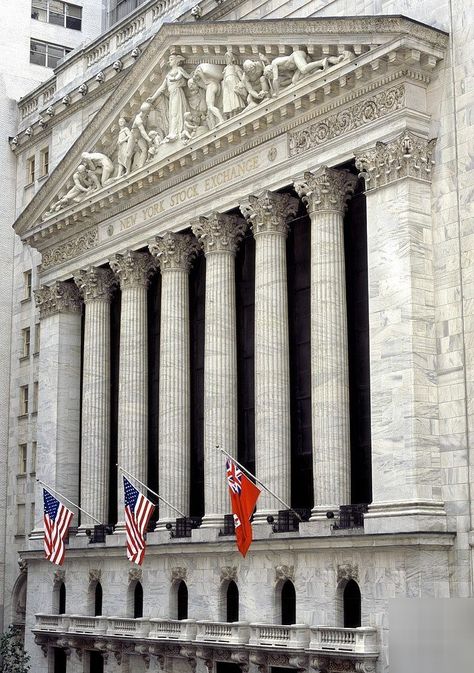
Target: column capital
{"x": 133, "y": 269}
{"x": 174, "y": 252}
{"x": 60, "y": 297}
{"x": 219, "y": 232}
{"x": 269, "y": 212}
{"x": 95, "y": 283}
{"x": 406, "y": 156}
{"x": 326, "y": 189}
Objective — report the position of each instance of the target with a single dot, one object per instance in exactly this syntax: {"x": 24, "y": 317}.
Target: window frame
{"x": 47, "y": 55}
{"x": 22, "y": 458}
{"x": 27, "y": 284}
{"x": 48, "y": 12}
{"x": 30, "y": 170}
{"x": 44, "y": 162}
{"x": 24, "y": 400}
{"x": 25, "y": 342}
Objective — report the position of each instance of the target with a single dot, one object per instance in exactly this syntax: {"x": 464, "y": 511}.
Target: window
{"x": 22, "y": 454}
{"x": 27, "y": 285}
{"x": 44, "y": 162}
{"x": 20, "y": 519}
{"x": 30, "y": 170}
{"x": 59, "y": 13}
{"x": 25, "y": 342}
{"x": 34, "y": 446}
{"x": 232, "y": 602}
{"x": 42, "y": 53}
{"x": 35, "y": 397}
{"x": 138, "y": 601}
{"x": 32, "y": 516}
{"x": 37, "y": 337}
{"x": 182, "y": 600}
{"x": 98, "y": 600}
{"x": 23, "y": 400}
{"x": 352, "y": 605}
{"x": 288, "y": 603}
{"x": 62, "y": 599}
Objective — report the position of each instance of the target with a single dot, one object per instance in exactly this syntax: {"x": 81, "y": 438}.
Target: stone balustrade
{"x": 237, "y": 633}
{"x": 361, "y": 641}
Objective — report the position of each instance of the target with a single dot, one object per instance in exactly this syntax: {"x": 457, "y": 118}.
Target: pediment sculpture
{"x": 188, "y": 103}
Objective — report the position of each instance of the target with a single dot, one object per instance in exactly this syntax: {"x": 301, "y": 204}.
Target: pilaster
{"x": 58, "y": 425}
{"x": 404, "y": 397}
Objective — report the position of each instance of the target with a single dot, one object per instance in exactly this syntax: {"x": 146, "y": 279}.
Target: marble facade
{"x": 375, "y": 109}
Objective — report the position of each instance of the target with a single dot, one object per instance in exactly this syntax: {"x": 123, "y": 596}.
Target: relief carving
{"x": 94, "y": 575}
{"x": 178, "y": 573}
{"x": 61, "y": 297}
{"x": 135, "y": 575}
{"x": 283, "y": 572}
{"x": 229, "y": 573}
{"x": 174, "y": 251}
{"x": 347, "y": 571}
{"x": 68, "y": 249}
{"x": 269, "y": 212}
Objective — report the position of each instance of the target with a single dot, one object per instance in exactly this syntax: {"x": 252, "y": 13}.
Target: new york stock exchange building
{"x": 254, "y": 238}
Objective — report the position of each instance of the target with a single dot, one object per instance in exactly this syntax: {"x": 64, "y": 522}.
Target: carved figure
{"x": 84, "y": 181}
{"x": 232, "y": 102}
{"x": 95, "y": 162}
{"x": 194, "y": 119}
{"x": 209, "y": 77}
{"x": 138, "y": 140}
{"x": 297, "y": 64}
{"x": 173, "y": 87}
{"x": 255, "y": 83}
{"x": 122, "y": 141}
{"x": 156, "y": 140}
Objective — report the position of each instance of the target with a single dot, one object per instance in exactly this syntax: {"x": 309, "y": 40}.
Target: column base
{"x": 260, "y": 516}
{"x": 212, "y": 521}
{"x": 405, "y": 517}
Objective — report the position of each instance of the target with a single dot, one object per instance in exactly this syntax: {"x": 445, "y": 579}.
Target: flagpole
{"x": 69, "y": 501}
{"x": 259, "y": 482}
{"x": 160, "y": 497}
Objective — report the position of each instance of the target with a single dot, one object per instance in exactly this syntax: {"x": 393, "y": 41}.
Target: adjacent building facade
{"x": 250, "y": 232}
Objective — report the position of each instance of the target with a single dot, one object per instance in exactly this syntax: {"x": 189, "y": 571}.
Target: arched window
{"x": 138, "y": 601}
{"x": 19, "y": 600}
{"x": 98, "y": 600}
{"x": 182, "y": 596}
{"x": 288, "y": 603}
{"x": 232, "y": 602}
{"x": 351, "y": 604}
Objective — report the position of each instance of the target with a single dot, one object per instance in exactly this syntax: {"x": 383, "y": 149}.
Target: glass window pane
{"x": 56, "y": 12}
{"x": 73, "y": 23}
{"x": 74, "y": 10}
{"x": 39, "y": 10}
{"x": 37, "y": 53}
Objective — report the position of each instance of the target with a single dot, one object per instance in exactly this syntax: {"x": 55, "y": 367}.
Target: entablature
{"x": 302, "y": 90}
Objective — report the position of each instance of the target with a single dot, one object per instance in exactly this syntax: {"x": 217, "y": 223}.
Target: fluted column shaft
{"x": 134, "y": 270}
{"x": 268, "y": 215}
{"x": 325, "y": 193}
{"x": 219, "y": 235}
{"x": 95, "y": 286}
{"x": 174, "y": 253}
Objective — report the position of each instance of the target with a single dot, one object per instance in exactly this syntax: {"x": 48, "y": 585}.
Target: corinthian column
{"x": 325, "y": 194}
{"x": 269, "y": 215}
{"x": 58, "y": 425}
{"x": 134, "y": 271}
{"x": 175, "y": 253}
{"x": 96, "y": 287}
{"x": 219, "y": 235}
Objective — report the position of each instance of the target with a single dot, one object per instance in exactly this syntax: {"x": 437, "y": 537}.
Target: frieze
{"x": 361, "y": 113}
{"x": 69, "y": 249}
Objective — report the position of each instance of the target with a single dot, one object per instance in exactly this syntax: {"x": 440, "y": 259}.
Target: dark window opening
{"x": 138, "y": 601}
{"x": 182, "y": 601}
{"x": 197, "y": 288}
{"x": 115, "y": 310}
{"x": 232, "y": 602}
{"x": 227, "y": 667}
{"x": 96, "y": 662}
{"x": 98, "y": 600}
{"x": 352, "y": 605}
{"x": 245, "y": 323}
{"x": 298, "y": 252}
{"x": 288, "y": 603}
{"x": 60, "y": 660}
{"x": 62, "y": 599}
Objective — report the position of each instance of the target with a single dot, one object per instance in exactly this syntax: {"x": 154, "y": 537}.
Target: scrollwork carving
{"x": 326, "y": 189}
{"x": 95, "y": 283}
{"x": 283, "y": 572}
{"x": 135, "y": 575}
{"x": 133, "y": 269}
{"x": 94, "y": 575}
{"x": 347, "y": 571}
{"x": 69, "y": 249}
{"x": 174, "y": 251}
{"x": 269, "y": 212}
{"x": 219, "y": 232}
{"x": 61, "y": 297}
{"x": 178, "y": 573}
{"x": 228, "y": 573}
{"x": 408, "y": 155}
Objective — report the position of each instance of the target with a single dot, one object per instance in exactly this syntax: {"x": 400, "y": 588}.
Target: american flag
{"x": 138, "y": 511}
{"x": 56, "y": 519}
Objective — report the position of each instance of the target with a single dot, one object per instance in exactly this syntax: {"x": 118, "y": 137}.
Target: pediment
{"x": 200, "y": 88}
